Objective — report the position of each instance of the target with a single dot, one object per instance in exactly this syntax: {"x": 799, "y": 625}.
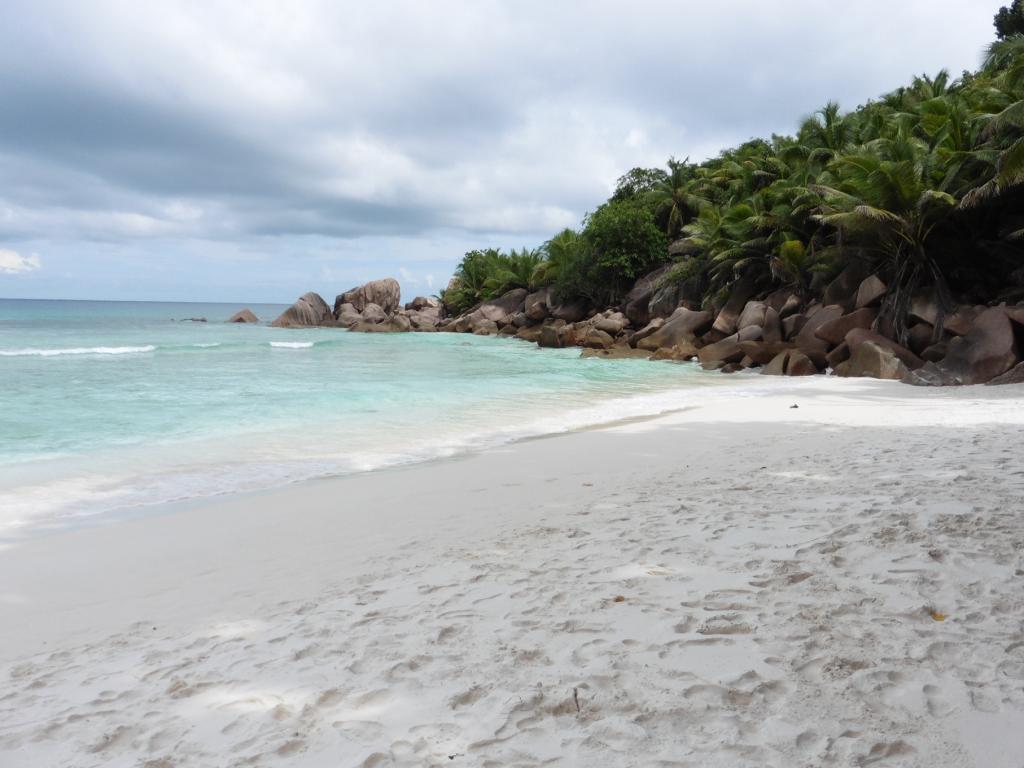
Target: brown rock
{"x": 664, "y": 301}
{"x": 346, "y": 315}
{"x": 858, "y": 336}
{"x": 919, "y": 337}
{"x": 750, "y": 333}
{"x": 772, "y": 325}
{"x": 791, "y": 307}
{"x": 394, "y": 324}
{"x": 530, "y": 333}
{"x": 763, "y": 352}
{"x": 792, "y": 325}
{"x": 807, "y": 340}
{"x": 422, "y": 302}
{"x": 556, "y": 335}
{"x": 960, "y": 322}
{"x": 682, "y": 351}
{"x": 986, "y": 352}
{"x": 384, "y": 293}
{"x": 537, "y": 304}
{"x": 871, "y": 292}
{"x": 838, "y": 355}
{"x": 713, "y": 336}
{"x": 1013, "y": 376}
{"x": 598, "y": 339}
{"x": 777, "y": 299}
{"x": 309, "y": 310}
{"x": 637, "y": 301}
{"x": 777, "y": 365}
{"x": 485, "y": 327}
{"x": 646, "y": 331}
{"x": 924, "y": 307}
{"x": 372, "y": 313}
{"x": 725, "y": 351}
{"x": 729, "y": 316}
{"x": 753, "y": 314}
{"x": 935, "y": 352}
{"x": 612, "y": 324}
{"x": 570, "y": 311}
{"x": 834, "y": 331}
{"x": 422, "y": 322}
{"x": 243, "y": 316}
{"x": 874, "y": 360}
{"x": 792, "y": 362}
{"x": 844, "y": 289}
{"x": 501, "y": 310}
{"x": 800, "y": 364}
{"x": 683, "y": 325}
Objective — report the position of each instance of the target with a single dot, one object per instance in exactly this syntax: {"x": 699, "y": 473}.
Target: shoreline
{"x": 694, "y": 389}
{"x": 412, "y": 614}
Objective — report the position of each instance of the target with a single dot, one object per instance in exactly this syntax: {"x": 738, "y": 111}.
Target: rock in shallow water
{"x": 385, "y": 293}
{"x": 243, "y": 316}
{"x": 309, "y": 310}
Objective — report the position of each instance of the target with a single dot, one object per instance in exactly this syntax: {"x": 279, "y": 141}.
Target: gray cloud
{"x": 502, "y": 121}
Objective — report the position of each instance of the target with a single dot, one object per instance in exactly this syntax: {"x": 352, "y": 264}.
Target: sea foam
{"x": 75, "y": 351}
{"x": 292, "y": 344}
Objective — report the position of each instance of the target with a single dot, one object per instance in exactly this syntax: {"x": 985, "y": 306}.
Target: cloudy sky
{"x": 250, "y": 151}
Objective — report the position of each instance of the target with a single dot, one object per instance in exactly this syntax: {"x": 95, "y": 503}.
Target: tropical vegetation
{"x": 923, "y": 186}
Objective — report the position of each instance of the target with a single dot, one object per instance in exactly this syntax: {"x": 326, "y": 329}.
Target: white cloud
{"x": 408, "y": 277}
{"x": 13, "y": 263}
{"x": 397, "y": 132}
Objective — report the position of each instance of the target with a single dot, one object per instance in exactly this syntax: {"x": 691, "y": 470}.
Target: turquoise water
{"x": 106, "y": 406}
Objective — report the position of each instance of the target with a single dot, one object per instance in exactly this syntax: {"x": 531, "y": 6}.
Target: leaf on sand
{"x": 938, "y": 616}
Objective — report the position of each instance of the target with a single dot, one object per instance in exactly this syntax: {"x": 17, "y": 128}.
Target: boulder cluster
{"x": 780, "y": 333}
{"x": 371, "y": 308}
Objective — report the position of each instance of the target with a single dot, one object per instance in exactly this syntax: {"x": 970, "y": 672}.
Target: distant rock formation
{"x": 384, "y": 293}
{"x": 310, "y": 310}
{"x": 244, "y": 316}
{"x": 371, "y": 308}
{"x": 782, "y": 333}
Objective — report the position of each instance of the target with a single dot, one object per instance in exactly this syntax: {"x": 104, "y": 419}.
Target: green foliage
{"x": 625, "y": 243}
{"x": 1009, "y": 21}
{"x": 925, "y": 185}
{"x": 637, "y": 183}
{"x": 488, "y": 274}
{"x": 565, "y": 256}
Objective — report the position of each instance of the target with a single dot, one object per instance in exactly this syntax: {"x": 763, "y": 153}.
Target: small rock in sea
{"x": 794, "y": 406}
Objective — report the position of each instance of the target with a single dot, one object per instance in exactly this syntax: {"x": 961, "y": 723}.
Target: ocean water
{"x": 114, "y": 406}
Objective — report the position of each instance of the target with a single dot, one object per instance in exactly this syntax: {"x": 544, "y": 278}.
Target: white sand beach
{"x": 738, "y": 584}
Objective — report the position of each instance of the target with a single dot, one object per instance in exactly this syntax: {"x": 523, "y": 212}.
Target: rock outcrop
{"x": 309, "y": 311}
{"x": 780, "y": 332}
{"x": 244, "y": 316}
{"x": 385, "y": 293}
{"x": 683, "y": 325}
{"x": 874, "y": 360}
{"x": 637, "y": 301}
{"x": 987, "y": 351}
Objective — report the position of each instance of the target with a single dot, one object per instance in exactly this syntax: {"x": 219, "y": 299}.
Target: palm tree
{"x": 825, "y": 135}
{"x": 887, "y": 201}
{"x": 1008, "y": 56}
{"x": 560, "y": 253}
{"x": 676, "y": 202}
